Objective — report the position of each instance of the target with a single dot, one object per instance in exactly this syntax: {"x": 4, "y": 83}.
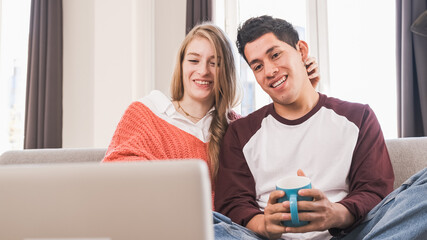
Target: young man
{"x": 338, "y": 144}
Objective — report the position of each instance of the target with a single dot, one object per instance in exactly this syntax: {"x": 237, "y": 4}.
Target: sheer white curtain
{"x": 14, "y": 24}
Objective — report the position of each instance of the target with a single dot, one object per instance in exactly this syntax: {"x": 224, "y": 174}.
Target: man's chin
{"x": 281, "y": 100}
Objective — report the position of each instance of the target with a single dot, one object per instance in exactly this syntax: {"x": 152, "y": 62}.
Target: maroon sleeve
{"x": 371, "y": 175}
{"x": 235, "y": 194}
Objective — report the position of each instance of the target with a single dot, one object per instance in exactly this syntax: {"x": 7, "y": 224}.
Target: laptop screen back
{"x": 110, "y": 201}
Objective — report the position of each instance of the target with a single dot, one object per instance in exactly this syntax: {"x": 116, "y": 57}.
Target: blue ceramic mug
{"x": 291, "y": 185}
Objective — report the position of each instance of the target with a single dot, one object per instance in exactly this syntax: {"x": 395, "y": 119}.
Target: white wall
{"x": 78, "y": 73}
{"x": 170, "y": 31}
{"x": 115, "y": 51}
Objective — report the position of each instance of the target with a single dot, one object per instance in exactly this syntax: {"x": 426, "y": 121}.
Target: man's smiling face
{"x": 278, "y": 67}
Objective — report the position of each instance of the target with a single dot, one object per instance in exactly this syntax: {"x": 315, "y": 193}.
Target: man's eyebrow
{"x": 253, "y": 62}
{"x": 266, "y": 52}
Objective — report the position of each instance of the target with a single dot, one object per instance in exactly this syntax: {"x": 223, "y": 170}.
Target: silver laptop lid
{"x": 109, "y": 201}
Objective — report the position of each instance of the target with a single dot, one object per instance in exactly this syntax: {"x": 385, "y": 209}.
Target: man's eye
{"x": 257, "y": 67}
{"x": 276, "y": 55}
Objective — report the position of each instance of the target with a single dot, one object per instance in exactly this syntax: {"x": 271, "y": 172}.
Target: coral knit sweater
{"x": 142, "y": 135}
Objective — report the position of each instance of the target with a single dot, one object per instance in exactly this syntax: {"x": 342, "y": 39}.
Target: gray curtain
{"x": 411, "y": 48}
{"x": 198, "y": 11}
{"x": 43, "y": 110}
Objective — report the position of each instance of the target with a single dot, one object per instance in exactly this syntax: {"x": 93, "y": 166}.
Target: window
{"x": 356, "y": 54}
{"x": 291, "y": 10}
{"x": 14, "y": 28}
{"x": 362, "y": 56}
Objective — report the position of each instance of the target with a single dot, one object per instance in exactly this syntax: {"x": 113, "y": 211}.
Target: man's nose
{"x": 270, "y": 69}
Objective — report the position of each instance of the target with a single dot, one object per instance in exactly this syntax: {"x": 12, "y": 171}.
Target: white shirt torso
{"x": 163, "y": 107}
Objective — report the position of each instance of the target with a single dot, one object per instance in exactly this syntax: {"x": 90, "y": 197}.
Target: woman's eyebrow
{"x": 193, "y": 53}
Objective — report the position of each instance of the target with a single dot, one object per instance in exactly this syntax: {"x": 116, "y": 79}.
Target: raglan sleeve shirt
{"x": 370, "y": 176}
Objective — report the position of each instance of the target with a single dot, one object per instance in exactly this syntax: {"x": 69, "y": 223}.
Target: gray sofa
{"x": 52, "y": 155}
{"x": 408, "y": 156}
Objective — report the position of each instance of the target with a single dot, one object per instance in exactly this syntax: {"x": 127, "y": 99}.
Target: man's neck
{"x": 303, "y": 105}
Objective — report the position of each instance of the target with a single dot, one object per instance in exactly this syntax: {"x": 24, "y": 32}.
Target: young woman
{"x": 192, "y": 124}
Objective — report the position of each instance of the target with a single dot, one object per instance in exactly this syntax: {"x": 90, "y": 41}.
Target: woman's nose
{"x": 203, "y": 69}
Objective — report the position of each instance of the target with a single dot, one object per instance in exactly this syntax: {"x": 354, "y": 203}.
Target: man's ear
{"x": 302, "y": 48}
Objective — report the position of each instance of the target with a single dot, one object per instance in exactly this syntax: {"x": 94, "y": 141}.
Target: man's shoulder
{"x": 343, "y": 106}
{"x": 353, "y": 111}
{"x": 241, "y": 130}
{"x": 256, "y": 116}
{"x": 245, "y": 127}
{"x": 334, "y": 102}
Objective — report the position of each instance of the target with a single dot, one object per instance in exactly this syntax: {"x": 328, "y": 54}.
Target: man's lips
{"x": 279, "y": 82}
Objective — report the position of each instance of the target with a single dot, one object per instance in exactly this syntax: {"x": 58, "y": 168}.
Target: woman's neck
{"x": 192, "y": 109}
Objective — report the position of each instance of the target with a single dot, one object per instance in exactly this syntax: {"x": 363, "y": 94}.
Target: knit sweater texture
{"x": 141, "y": 135}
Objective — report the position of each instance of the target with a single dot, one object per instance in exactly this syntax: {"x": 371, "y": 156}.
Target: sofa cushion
{"x": 408, "y": 156}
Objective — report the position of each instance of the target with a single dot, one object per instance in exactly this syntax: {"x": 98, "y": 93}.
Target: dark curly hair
{"x": 254, "y": 28}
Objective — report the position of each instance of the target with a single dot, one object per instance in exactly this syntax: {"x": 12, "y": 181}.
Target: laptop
{"x": 106, "y": 201}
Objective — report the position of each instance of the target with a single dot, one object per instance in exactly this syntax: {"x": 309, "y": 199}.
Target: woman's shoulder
{"x": 156, "y": 101}
{"x": 154, "y": 97}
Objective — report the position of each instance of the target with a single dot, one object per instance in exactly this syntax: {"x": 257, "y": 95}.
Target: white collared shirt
{"x": 163, "y": 107}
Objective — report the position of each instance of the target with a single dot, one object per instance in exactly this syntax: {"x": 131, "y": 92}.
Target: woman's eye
{"x": 193, "y": 60}
{"x": 212, "y": 64}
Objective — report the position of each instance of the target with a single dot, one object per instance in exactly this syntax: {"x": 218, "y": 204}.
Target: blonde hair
{"x": 225, "y": 86}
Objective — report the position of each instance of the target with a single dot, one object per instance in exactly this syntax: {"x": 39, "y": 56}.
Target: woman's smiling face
{"x": 199, "y": 70}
